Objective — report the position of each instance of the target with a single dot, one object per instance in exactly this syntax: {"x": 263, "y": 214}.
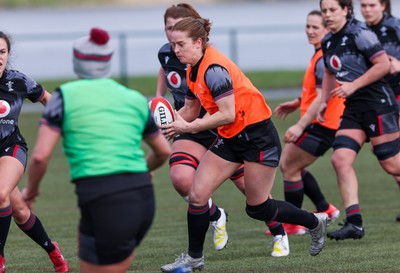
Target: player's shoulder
{"x": 14, "y": 75}
{"x": 354, "y": 26}
{"x": 391, "y": 21}
{"x": 326, "y": 38}
{"x": 165, "y": 49}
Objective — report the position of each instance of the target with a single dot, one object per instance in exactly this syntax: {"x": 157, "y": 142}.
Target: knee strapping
{"x": 184, "y": 159}
{"x": 346, "y": 142}
{"x": 387, "y": 150}
{"x": 264, "y": 212}
{"x": 238, "y": 173}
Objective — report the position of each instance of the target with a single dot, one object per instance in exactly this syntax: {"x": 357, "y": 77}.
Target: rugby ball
{"x": 162, "y": 111}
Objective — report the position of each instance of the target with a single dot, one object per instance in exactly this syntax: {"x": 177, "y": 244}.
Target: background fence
{"x": 48, "y": 56}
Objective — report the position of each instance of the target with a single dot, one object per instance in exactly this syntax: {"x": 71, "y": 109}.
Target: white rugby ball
{"x": 162, "y": 111}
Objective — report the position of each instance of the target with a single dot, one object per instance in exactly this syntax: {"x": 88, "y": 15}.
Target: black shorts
{"x": 374, "y": 122}
{"x": 205, "y": 138}
{"x": 258, "y": 142}
{"x": 113, "y": 225}
{"x": 14, "y": 145}
{"x": 316, "y": 139}
{"x": 17, "y": 151}
{"x": 398, "y": 101}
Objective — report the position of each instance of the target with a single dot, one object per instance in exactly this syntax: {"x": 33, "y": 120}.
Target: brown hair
{"x": 343, "y": 4}
{"x": 388, "y": 6}
{"x": 317, "y": 13}
{"x": 195, "y": 28}
{"x": 7, "y": 39}
{"x": 181, "y": 10}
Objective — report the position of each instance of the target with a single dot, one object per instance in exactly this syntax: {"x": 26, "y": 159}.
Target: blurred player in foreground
{"x": 15, "y": 87}
{"x": 102, "y": 124}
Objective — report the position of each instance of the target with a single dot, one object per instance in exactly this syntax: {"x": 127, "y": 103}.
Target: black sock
{"x": 198, "y": 221}
{"x": 5, "y": 221}
{"x": 294, "y": 192}
{"x": 312, "y": 190}
{"x": 276, "y": 228}
{"x": 215, "y": 213}
{"x": 288, "y": 213}
{"x": 35, "y": 230}
{"x": 353, "y": 215}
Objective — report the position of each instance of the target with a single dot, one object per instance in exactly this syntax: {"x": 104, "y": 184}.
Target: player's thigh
{"x": 294, "y": 158}
{"x": 211, "y": 173}
{"x": 259, "y": 180}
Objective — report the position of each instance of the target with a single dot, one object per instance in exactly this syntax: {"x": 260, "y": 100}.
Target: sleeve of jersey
{"x": 151, "y": 129}
{"x": 367, "y": 42}
{"x": 54, "y": 112}
{"x": 189, "y": 94}
{"x": 35, "y": 91}
{"x": 397, "y": 29}
{"x": 218, "y": 81}
{"x": 319, "y": 72}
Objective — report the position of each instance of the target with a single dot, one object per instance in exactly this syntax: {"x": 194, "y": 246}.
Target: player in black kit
{"x": 356, "y": 60}
{"x": 378, "y": 16}
{"x": 15, "y": 87}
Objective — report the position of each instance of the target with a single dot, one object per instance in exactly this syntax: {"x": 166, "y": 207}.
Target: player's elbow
{"x": 229, "y": 118}
{"x": 39, "y": 159}
{"x": 164, "y": 154}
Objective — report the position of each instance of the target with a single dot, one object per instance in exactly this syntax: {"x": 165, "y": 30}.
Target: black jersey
{"x": 175, "y": 74}
{"x": 388, "y": 32}
{"x": 15, "y": 87}
{"x": 348, "y": 54}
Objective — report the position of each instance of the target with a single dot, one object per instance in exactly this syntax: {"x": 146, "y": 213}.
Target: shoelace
{"x": 276, "y": 240}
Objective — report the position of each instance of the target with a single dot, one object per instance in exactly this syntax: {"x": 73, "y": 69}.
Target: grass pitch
{"x": 248, "y": 249}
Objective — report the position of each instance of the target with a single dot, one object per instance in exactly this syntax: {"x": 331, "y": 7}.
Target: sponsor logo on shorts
{"x": 219, "y": 142}
{"x": 372, "y": 127}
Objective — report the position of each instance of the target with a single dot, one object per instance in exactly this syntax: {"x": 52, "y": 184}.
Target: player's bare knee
{"x": 391, "y": 165}
{"x": 198, "y": 199}
{"x": 21, "y": 214}
{"x": 340, "y": 160}
{"x": 4, "y": 198}
{"x": 182, "y": 182}
{"x": 283, "y": 166}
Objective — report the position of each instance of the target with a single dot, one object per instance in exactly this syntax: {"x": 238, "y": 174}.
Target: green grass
{"x": 263, "y": 80}
{"x": 248, "y": 249}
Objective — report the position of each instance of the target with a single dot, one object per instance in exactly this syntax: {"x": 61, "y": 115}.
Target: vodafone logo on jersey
{"x": 335, "y": 63}
{"x": 174, "y": 79}
{"x": 4, "y": 108}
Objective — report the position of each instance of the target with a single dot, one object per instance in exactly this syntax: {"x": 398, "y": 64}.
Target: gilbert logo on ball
{"x": 162, "y": 111}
